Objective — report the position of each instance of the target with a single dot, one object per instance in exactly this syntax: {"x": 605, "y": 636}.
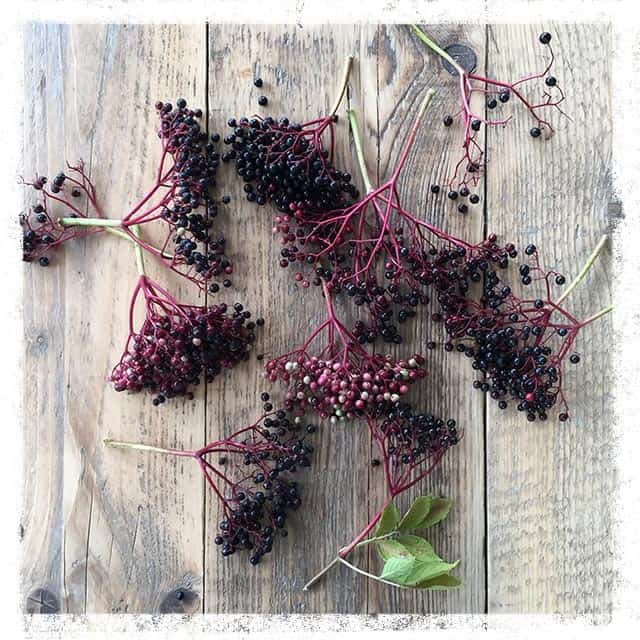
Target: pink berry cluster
{"x": 178, "y": 345}
{"x": 346, "y": 386}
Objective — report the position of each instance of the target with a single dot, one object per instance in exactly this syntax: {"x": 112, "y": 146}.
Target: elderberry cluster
{"x": 512, "y": 341}
{"x": 191, "y": 210}
{"x": 39, "y": 231}
{"x": 285, "y": 163}
{"x": 172, "y": 352}
{"x": 265, "y": 494}
{"x": 411, "y": 436}
{"x": 342, "y": 387}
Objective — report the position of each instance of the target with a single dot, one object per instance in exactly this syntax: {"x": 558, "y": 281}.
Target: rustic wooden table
{"x": 116, "y": 531}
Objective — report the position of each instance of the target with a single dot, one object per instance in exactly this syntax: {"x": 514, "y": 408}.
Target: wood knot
{"x": 464, "y": 55}
{"x": 42, "y": 601}
{"x": 180, "y": 600}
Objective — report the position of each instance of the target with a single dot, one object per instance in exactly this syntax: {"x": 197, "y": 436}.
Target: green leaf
{"x": 398, "y": 569}
{"x": 416, "y": 514}
{"x": 409, "y": 571}
{"x": 441, "y": 583}
{"x": 417, "y": 547}
{"x": 388, "y": 520}
{"x": 439, "y": 510}
{"x": 390, "y": 548}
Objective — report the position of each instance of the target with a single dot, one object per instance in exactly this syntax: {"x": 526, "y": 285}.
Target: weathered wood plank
{"x": 301, "y": 70}
{"x": 119, "y": 531}
{"x": 127, "y": 527}
{"x": 406, "y": 69}
{"x": 550, "y": 484}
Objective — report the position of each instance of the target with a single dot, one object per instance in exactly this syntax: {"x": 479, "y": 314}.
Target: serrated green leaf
{"x": 390, "y": 548}
{"x": 398, "y": 569}
{"x": 417, "y": 547}
{"x": 428, "y": 569}
{"x": 441, "y": 583}
{"x": 438, "y": 511}
{"x": 410, "y": 571}
{"x": 388, "y": 520}
{"x": 416, "y": 514}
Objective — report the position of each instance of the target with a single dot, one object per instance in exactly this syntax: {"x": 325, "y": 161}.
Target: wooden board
{"x": 121, "y": 530}
{"x": 115, "y": 531}
{"x": 550, "y": 486}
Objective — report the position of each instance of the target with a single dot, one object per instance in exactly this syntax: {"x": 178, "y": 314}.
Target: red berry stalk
{"x": 72, "y": 191}
{"x": 519, "y": 344}
{"x": 178, "y": 201}
{"x": 252, "y": 473}
{"x": 341, "y": 380}
{"x": 468, "y": 169}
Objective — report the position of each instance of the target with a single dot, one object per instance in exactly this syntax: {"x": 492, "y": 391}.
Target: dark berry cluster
{"x": 517, "y": 343}
{"x": 178, "y": 345}
{"x": 259, "y": 493}
{"x": 411, "y": 443}
{"x": 188, "y": 208}
{"x": 286, "y": 164}
{"x": 40, "y": 231}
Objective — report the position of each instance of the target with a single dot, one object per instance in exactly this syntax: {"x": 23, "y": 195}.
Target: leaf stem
{"x": 357, "y": 141}
{"x": 343, "y": 87}
{"x": 585, "y": 269}
{"x": 370, "y": 575}
{"x": 375, "y": 539}
{"x": 135, "y": 229}
{"x": 435, "y": 48}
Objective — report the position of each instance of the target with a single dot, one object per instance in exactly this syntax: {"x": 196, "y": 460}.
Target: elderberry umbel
{"x": 181, "y": 197}
{"x": 71, "y": 191}
{"x": 518, "y": 344}
{"x": 252, "y": 473}
{"x": 179, "y": 201}
{"x": 290, "y": 163}
{"x": 341, "y": 380}
{"x": 179, "y": 345}
{"x": 410, "y": 443}
{"x": 497, "y": 95}
{"x": 286, "y": 163}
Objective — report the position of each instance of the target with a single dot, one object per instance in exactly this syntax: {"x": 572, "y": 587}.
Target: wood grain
{"x": 124, "y": 528}
{"x": 550, "y": 486}
{"x": 337, "y": 481}
{"x": 406, "y": 69}
{"x": 115, "y": 531}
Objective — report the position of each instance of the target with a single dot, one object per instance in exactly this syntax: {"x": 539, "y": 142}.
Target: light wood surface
{"x": 120, "y": 531}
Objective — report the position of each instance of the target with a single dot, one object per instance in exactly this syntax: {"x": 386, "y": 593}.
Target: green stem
{"x": 357, "y": 141}
{"x": 120, "y": 234}
{"x": 435, "y": 48}
{"x": 370, "y": 575}
{"x": 376, "y": 539}
{"x": 320, "y": 574}
{"x": 343, "y": 87}
{"x": 135, "y": 229}
{"x": 117, "y": 444}
{"x": 583, "y": 272}
{"x": 89, "y": 222}
{"x": 595, "y": 316}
